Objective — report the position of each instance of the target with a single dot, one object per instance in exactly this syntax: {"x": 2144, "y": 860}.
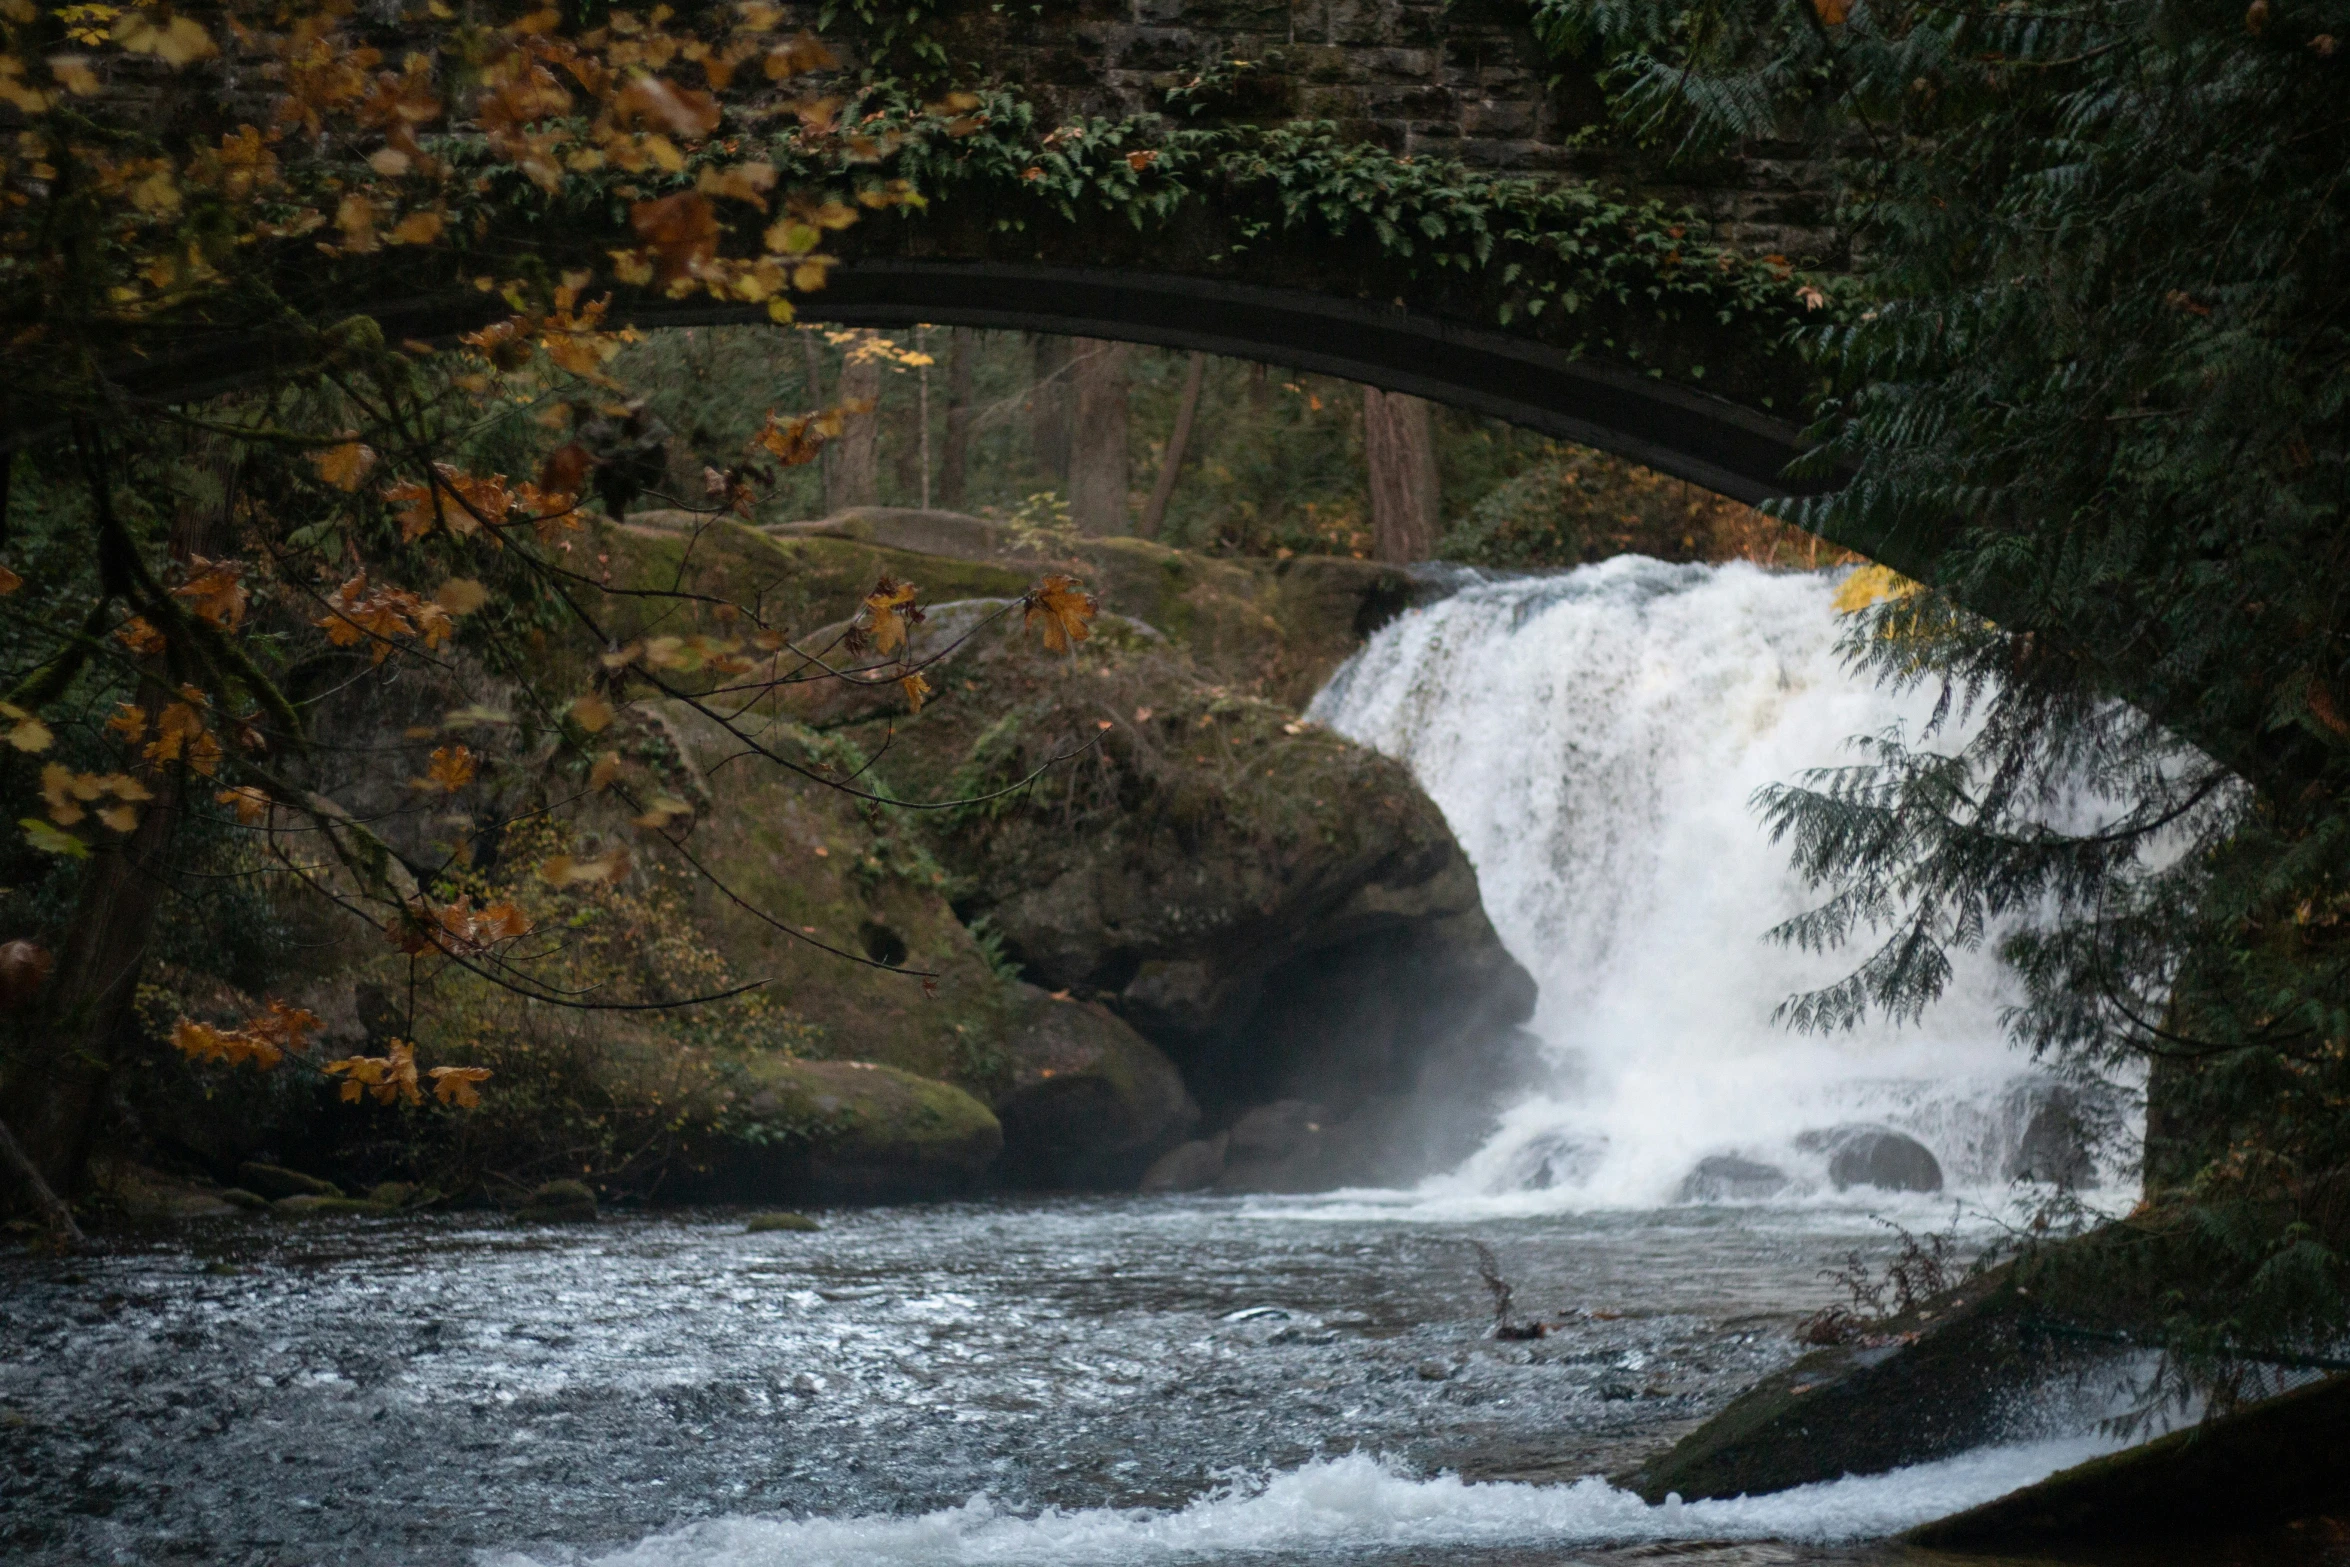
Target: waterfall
{"x": 1595, "y": 738}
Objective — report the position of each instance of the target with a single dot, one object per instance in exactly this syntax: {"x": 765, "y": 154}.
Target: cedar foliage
{"x": 2093, "y": 389}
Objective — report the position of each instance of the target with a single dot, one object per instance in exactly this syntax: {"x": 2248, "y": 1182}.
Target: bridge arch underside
{"x": 1708, "y": 441}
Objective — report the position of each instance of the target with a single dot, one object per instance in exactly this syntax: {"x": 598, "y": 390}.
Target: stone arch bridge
{"x": 1695, "y": 380}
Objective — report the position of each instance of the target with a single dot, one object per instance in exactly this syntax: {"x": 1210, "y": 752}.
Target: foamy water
{"x": 1596, "y": 739}
{"x": 1345, "y": 1505}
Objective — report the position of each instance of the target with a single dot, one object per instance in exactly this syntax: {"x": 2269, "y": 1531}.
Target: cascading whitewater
{"x": 1596, "y": 738}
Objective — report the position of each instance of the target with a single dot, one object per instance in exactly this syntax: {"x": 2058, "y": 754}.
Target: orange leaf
{"x": 9, "y": 582}
{"x": 450, "y": 770}
{"x": 139, "y": 636}
{"x": 916, "y": 689}
{"x": 251, "y": 804}
{"x": 214, "y": 592}
{"x": 680, "y": 231}
{"x": 345, "y": 465}
{"x": 1064, "y": 607}
{"x": 889, "y": 612}
{"x": 453, "y": 1085}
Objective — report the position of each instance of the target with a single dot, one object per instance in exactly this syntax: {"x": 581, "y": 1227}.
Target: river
{"x": 1104, "y": 1381}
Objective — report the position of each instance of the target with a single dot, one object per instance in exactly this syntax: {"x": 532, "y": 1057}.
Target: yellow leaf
{"x": 592, "y": 713}
{"x": 158, "y": 193}
{"x": 461, "y": 595}
{"x": 1867, "y": 585}
{"x": 25, "y": 732}
{"x": 565, "y": 870}
{"x": 174, "y": 42}
{"x": 889, "y": 612}
{"x": 606, "y": 768}
{"x": 51, "y": 840}
{"x": 916, "y": 688}
{"x": 1064, "y": 607}
{"x": 664, "y": 809}
{"x": 140, "y": 637}
{"x": 344, "y": 466}
{"x": 73, "y": 73}
{"x": 454, "y": 1084}
{"x": 122, "y": 818}
{"x": 417, "y": 228}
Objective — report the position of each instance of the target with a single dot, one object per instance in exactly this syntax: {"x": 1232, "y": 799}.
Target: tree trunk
{"x": 1399, "y": 444}
{"x": 856, "y": 469}
{"x": 812, "y": 359}
{"x": 1050, "y": 405}
{"x": 954, "y": 462}
{"x": 56, "y": 1095}
{"x": 1100, "y": 469}
{"x": 1154, "y": 515}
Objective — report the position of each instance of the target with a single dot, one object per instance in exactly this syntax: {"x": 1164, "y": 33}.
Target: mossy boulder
{"x": 559, "y": 1202}
{"x": 1280, "y": 910}
{"x": 1086, "y": 1101}
{"x": 803, "y": 884}
{"x": 853, "y": 1131}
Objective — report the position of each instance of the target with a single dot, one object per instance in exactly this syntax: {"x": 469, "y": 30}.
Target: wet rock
{"x": 856, "y": 1132}
{"x": 238, "y": 1197}
{"x": 2049, "y": 1123}
{"x": 766, "y": 1223}
{"x": 1188, "y": 1167}
{"x": 1921, "y": 1386}
{"x": 1728, "y": 1178}
{"x": 393, "y": 1194}
{"x": 1434, "y": 1371}
{"x": 559, "y": 1202}
{"x": 275, "y": 1180}
{"x": 1282, "y": 912}
{"x": 1089, "y": 1103}
{"x": 1875, "y": 1156}
{"x": 2270, "y": 1464}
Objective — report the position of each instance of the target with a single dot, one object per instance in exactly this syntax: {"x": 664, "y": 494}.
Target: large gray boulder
{"x": 1875, "y": 1156}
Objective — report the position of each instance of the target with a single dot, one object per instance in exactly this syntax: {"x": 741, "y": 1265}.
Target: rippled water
{"x": 1049, "y": 1380}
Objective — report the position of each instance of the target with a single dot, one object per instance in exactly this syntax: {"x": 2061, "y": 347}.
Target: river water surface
{"x": 1099, "y": 1381}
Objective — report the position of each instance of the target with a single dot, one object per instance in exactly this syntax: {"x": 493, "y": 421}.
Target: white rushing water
{"x": 1595, "y": 739}
{"x": 1333, "y": 1507}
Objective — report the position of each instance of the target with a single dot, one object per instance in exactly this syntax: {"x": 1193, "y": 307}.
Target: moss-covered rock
{"x": 559, "y": 1202}
{"x": 314, "y": 1207}
{"x": 839, "y": 912}
{"x": 853, "y": 1131}
{"x": 1086, "y": 1101}
{"x": 1282, "y": 911}
{"x": 770, "y": 1223}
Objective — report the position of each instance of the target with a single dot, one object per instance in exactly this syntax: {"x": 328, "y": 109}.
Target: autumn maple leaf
{"x": 451, "y": 769}
{"x": 214, "y": 591}
{"x": 917, "y": 690}
{"x": 889, "y": 612}
{"x": 453, "y": 1085}
{"x": 1064, "y": 607}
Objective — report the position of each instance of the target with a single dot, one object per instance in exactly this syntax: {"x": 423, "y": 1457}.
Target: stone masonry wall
{"x": 1464, "y": 80}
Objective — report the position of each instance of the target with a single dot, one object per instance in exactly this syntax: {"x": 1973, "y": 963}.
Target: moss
{"x": 862, "y": 1130}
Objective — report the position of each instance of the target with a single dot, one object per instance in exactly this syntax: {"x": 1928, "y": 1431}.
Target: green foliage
{"x": 2096, "y": 394}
